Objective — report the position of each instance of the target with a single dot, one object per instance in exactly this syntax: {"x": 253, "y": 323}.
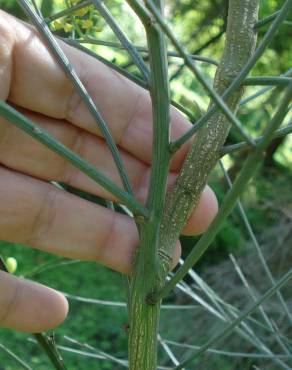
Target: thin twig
{"x": 68, "y": 11}
{"x": 257, "y": 247}
{"x": 261, "y": 308}
{"x": 138, "y": 60}
{"x": 281, "y": 132}
{"x": 231, "y": 198}
{"x": 264, "y": 21}
{"x": 80, "y": 88}
{"x": 15, "y": 357}
{"x": 226, "y": 331}
{"x": 228, "y": 353}
{"x": 242, "y": 75}
{"x": 142, "y": 49}
{"x": 22, "y": 122}
{"x": 219, "y": 102}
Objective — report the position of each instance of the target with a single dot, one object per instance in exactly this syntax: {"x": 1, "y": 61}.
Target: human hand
{"x": 38, "y": 214}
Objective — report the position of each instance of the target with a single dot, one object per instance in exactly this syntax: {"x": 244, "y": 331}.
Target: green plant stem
{"x": 264, "y": 90}
{"x": 22, "y": 122}
{"x": 261, "y": 257}
{"x": 144, "y": 318}
{"x": 80, "y": 88}
{"x": 229, "y": 353}
{"x": 231, "y": 198}
{"x": 137, "y": 59}
{"x": 193, "y": 67}
{"x": 142, "y": 49}
{"x": 267, "y": 80}
{"x": 68, "y": 11}
{"x": 51, "y": 350}
{"x": 241, "y": 76}
{"x": 205, "y": 45}
{"x": 281, "y": 132}
{"x": 264, "y": 21}
{"x": 111, "y": 65}
{"x": 226, "y": 331}
{"x": 15, "y": 357}
{"x": 125, "y": 73}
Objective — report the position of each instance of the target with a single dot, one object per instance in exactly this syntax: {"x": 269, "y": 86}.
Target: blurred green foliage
{"x": 200, "y": 26}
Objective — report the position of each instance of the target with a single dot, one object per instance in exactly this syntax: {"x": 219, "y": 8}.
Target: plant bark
{"x": 159, "y": 233}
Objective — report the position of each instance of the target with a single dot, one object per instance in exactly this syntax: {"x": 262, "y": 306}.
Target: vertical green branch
{"x": 144, "y": 318}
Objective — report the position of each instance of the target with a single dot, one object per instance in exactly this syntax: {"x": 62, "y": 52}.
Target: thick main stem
{"x": 205, "y": 151}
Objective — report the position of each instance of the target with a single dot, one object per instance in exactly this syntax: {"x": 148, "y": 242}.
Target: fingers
{"x": 22, "y": 153}
{"x": 125, "y": 106}
{"x": 40, "y": 215}
{"x": 29, "y": 307}
{"x": 203, "y": 214}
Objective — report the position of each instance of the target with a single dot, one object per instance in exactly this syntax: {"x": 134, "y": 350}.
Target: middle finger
{"x": 20, "y": 152}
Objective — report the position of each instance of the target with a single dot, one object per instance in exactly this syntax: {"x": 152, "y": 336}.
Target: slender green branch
{"x": 253, "y": 238}
{"x": 281, "y": 132}
{"x": 72, "y": 75}
{"x": 111, "y": 65}
{"x": 231, "y": 198}
{"x": 192, "y": 66}
{"x": 138, "y": 60}
{"x": 228, "y": 330}
{"x": 262, "y": 311}
{"x": 142, "y": 49}
{"x": 36, "y": 8}
{"x": 50, "y": 142}
{"x": 69, "y": 11}
{"x": 51, "y": 350}
{"x": 15, "y": 357}
{"x": 212, "y": 40}
{"x": 242, "y": 75}
{"x": 141, "y": 12}
{"x": 229, "y": 353}
{"x": 267, "y": 80}
{"x": 125, "y": 73}
{"x": 264, "y": 21}
{"x": 264, "y": 90}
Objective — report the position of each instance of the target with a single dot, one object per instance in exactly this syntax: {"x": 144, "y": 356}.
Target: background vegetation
{"x": 268, "y": 202}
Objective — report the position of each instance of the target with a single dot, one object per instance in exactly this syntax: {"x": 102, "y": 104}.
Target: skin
{"x": 35, "y": 212}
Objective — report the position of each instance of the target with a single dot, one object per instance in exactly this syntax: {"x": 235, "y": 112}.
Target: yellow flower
{"x": 58, "y": 25}
{"x": 82, "y": 12}
{"x": 68, "y": 27}
{"x": 97, "y": 29}
{"x": 87, "y": 24}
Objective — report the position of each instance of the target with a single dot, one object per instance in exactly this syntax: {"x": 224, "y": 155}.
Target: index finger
{"x": 36, "y": 81}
